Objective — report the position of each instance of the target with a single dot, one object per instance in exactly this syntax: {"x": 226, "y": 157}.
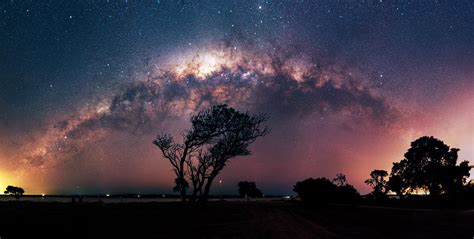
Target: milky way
{"x": 330, "y": 111}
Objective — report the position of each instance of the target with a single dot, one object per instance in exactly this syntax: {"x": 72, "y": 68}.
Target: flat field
{"x": 270, "y": 219}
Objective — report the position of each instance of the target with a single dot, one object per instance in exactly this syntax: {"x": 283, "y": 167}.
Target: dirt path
{"x": 269, "y": 220}
{"x": 283, "y": 223}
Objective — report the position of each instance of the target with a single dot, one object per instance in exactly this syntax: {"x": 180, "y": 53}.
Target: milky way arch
{"x": 288, "y": 86}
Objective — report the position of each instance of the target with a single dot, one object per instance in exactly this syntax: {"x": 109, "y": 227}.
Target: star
{"x": 327, "y": 73}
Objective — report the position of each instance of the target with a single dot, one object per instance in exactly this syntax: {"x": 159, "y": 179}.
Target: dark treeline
{"x": 321, "y": 191}
{"x": 429, "y": 172}
{"x": 428, "y": 176}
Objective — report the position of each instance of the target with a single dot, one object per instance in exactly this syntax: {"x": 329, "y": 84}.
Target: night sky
{"x": 85, "y": 87}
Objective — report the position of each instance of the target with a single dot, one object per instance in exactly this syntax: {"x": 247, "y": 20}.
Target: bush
{"x": 321, "y": 191}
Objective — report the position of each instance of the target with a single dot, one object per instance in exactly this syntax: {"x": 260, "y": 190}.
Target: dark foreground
{"x": 227, "y": 220}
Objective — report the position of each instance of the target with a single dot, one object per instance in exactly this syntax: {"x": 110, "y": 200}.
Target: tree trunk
{"x": 400, "y": 195}
{"x": 183, "y": 195}
{"x": 197, "y": 191}
{"x": 207, "y": 188}
{"x": 434, "y": 190}
{"x": 182, "y": 189}
{"x": 194, "y": 194}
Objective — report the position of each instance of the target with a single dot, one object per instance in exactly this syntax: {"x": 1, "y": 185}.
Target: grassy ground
{"x": 227, "y": 220}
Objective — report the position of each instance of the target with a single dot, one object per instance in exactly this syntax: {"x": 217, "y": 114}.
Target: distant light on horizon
{"x": 77, "y": 118}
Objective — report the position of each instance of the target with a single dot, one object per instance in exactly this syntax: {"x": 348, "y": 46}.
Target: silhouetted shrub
{"x": 15, "y": 191}
{"x": 249, "y": 189}
{"x": 321, "y": 191}
{"x": 378, "y": 182}
{"x": 346, "y": 194}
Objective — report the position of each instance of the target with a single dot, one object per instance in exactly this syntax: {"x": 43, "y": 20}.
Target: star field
{"x": 85, "y": 86}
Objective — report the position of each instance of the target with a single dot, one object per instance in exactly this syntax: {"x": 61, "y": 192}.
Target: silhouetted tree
{"x": 346, "y": 193}
{"x": 237, "y": 131}
{"x": 321, "y": 191}
{"x": 217, "y": 134}
{"x": 249, "y": 189}
{"x": 378, "y": 182}
{"x": 340, "y": 179}
{"x": 177, "y": 154}
{"x": 430, "y": 165}
{"x": 469, "y": 192}
{"x": 17, "y": 192}
{"x": 396, "y": 185}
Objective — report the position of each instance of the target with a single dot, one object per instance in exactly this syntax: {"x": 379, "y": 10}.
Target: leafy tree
{"x": 469, "y": 192}
{"x": 340, "y": 179}
{"x": 321, "y": 191}
{"x": 217, "y": 134}
{"x": 396, "y": 185}
{"x": 430, "y": 165}
{"x": 17, "y": 192}
{"x": 378, "y": 182}
{"x": 249, "y": 189}
{"x": 346, "y": 193}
